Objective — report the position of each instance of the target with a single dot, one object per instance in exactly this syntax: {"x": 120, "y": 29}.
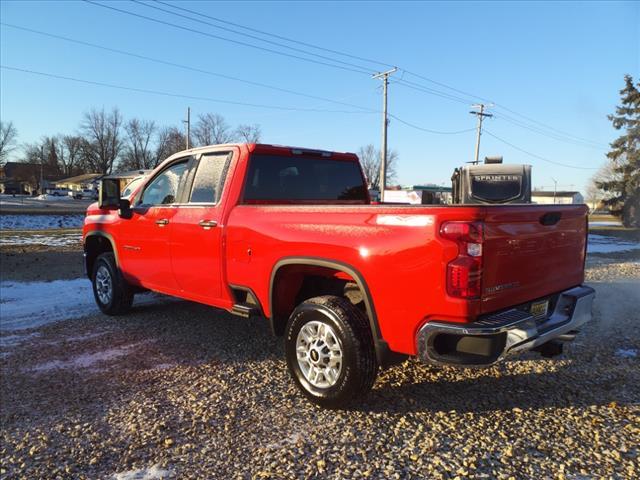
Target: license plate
{"x": 539, "y": 309}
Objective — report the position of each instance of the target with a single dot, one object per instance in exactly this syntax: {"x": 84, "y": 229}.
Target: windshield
{"x": 297, "y": 179}
{"x": 131, "y": 187}
{"x": 496, "y": 188}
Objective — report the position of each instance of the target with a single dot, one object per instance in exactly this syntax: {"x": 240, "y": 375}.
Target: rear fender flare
{"x": 383, "y": 353}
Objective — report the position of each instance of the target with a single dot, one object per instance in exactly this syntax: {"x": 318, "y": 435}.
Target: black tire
{"x": 121, "y": 298}
{"x": 350, "y": 325}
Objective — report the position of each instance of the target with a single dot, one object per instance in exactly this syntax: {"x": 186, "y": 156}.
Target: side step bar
{"x": 245, "y": 310}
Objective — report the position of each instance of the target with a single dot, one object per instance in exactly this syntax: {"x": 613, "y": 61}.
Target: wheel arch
{"x": 96, "y": 243}
{"x": 384, "y": 355}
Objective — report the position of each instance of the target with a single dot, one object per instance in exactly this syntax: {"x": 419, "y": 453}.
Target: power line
{"x": 545, "y": 125}
{"x": 540, "y": 131}
{"x": 429, "y": 130}
{"x": 431, "y": 91}
{"x": 186, "y": 67}
{"x": 218, "y": 37}
{"x": 288, "y": 39}
{"x": 254, "y": 37}
{"x": 177, "y": 95}
{"x": 536, "y": 156}
{"x": 229, "y": 77}
{"x": 349, "y": 66}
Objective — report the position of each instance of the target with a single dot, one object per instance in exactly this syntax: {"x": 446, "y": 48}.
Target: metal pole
{"x": 188, "y": 122}
{"x": 475, "y": 160}
{"x": 480, "y": 116}
{"x": 555, "y": 189}
{"x": 41, "y": 169}
{"x": 385, "y": 122}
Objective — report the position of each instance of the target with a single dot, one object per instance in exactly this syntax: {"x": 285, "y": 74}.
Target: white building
{"x": 560, "y": 197}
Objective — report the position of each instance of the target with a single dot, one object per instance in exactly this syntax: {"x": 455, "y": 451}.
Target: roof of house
{"x": 429, "y": 188}
{"x": 548, "y": 193}
{"x": 130, "y": 174}
{"x": 87, "y": 177}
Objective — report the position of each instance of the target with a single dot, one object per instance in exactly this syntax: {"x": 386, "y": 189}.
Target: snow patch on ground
{"x": 41, "y": 222}
{"x": 33, "y": 304}
{"x": 604, "y": 244}
{"x": 61, "y": 240}
{"x": 626, "y": 353}
{"x": 152, "y": 473}
{"x": 54, "y": 198}
{"x": 87, "y": 360}
{"x": 15, "y": 340}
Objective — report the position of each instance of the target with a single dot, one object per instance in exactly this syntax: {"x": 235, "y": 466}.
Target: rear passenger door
{"x": 196, "y": 232}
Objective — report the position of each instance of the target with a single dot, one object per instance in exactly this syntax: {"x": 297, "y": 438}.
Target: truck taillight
{"x": 464, "y": 273}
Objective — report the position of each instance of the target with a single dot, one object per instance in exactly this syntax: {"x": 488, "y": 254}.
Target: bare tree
{"x": 370, "y": 161}
{"x": 249, "y": 133}
{"x": 8, "y": 137}
{"x": 212, "y": 129}
{"x": 139, "y": 151}
{"x": 71, "y": 160}
{"x": 102, "y": 132}
{"x": 170, "y": 140}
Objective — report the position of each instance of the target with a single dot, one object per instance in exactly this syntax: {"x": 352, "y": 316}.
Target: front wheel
{"x": 112, "y": 293}
{"x": 330, "y": 351}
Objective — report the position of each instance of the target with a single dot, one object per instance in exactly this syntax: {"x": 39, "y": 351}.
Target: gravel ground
{"x": 180, "y": 390}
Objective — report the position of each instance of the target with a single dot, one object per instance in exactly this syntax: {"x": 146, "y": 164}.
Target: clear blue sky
{"x": 561, "y": 64}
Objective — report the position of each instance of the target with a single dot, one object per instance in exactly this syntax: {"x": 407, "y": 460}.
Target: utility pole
{"x": 41, "y": 169}
{"x": 480, "y": 116}
{"x": 188, "y": 123}
{"x": 555, "y": 189}
{"x": 385, "y": 122}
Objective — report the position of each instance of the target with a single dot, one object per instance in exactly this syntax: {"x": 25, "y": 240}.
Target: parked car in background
{"x": 58, "y": 192}
{"x": 86, "y": 194}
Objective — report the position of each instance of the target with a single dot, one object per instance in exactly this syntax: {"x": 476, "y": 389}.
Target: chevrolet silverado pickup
{"x": 291, "y": 235}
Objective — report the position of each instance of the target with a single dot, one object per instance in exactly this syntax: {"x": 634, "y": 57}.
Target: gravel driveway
{"x": 179, "y": 390}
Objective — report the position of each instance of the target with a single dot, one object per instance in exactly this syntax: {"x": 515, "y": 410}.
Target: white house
{"x": 560, "y": 197}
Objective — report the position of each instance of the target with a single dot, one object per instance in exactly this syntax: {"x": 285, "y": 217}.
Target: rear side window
{"x": 298, "y": 179}
{"x": 209, "y": 178}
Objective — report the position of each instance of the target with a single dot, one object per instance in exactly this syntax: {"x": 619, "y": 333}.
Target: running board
{"x": 245, "y": 310}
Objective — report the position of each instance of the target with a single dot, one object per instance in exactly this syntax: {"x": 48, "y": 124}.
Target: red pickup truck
{"x": 291, "y": 235}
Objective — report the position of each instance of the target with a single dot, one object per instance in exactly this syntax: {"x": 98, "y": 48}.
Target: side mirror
{"x": 124, "y": 208}
{"x": 109, "y": 196}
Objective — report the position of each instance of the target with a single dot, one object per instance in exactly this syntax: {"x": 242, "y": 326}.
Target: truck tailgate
{"x": 531, "y": 252}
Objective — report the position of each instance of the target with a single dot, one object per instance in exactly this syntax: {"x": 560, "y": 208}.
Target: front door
{"x": 196, "y": 231}
{"x": 145, "y": 254}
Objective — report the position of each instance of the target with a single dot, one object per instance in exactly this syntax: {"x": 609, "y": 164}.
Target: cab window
{"x": 209, "y": 179}
{"x": 163, "y": 190}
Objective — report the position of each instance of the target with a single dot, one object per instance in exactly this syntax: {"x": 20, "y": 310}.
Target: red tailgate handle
{"x": 550, "y": 218}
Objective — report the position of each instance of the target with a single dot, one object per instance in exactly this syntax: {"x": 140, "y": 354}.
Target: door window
{"x": 163, "y": 190}
{"x": 209, "y": 179}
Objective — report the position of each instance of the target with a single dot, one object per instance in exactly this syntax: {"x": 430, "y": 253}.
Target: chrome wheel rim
{"x": 104, "y": 285}
{"x": 319, "y": 354}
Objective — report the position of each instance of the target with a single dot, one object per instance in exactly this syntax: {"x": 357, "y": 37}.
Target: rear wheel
{"x": 112, "y": 293}
{"x": 330, "y": 351}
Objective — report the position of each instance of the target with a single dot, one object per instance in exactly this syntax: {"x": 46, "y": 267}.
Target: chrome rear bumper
{"x": 489, "y": 340}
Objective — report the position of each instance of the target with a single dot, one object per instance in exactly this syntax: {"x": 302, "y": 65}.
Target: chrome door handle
{"x": 207, "y": 224}
{"x": 162, "y": 222}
